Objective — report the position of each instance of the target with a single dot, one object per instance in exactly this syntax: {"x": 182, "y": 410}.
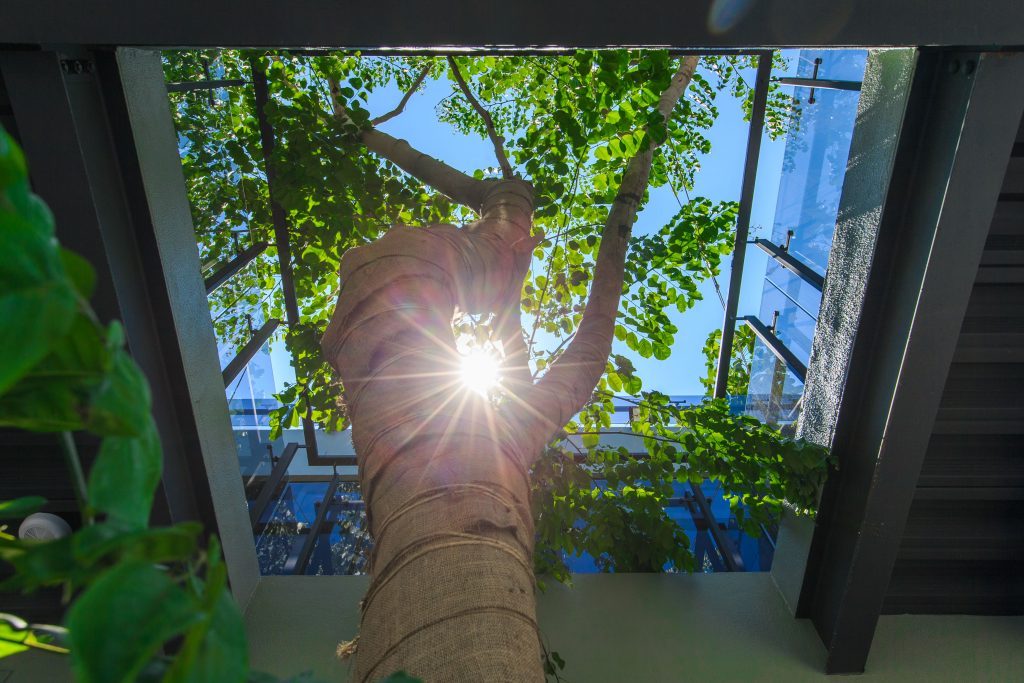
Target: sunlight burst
{"x": 480, "y": 371}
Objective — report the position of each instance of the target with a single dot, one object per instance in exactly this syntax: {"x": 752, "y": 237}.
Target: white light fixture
{"x": 43, "y": 526}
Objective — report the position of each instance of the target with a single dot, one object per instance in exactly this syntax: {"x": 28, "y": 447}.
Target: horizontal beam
{"x": 776, "y": 346}
{"x": 250, "y": 349}
{"x": 225, "y": 271}
{"x": 794, "y": 265}
{"x": 266, "y": 493}
{"x": 823, "y": 83}
{"x": 526, "y": 23}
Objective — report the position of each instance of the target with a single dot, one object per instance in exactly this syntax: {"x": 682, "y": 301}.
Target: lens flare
{"x": 480, "y": 371}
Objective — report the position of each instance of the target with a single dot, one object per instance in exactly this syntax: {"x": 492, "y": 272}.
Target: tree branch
{"x": 456, "y": 185}
{"x": 405, "y": 99}
{"x": 568, "y": 385}
{"x": 496, "y": 140}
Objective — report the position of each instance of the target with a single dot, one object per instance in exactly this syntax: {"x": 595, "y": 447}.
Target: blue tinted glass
{"x": 810, "y": 188}
{"x": 838, "y": 65}
{"x": 774, "y": 393}
{"x": 814, "y": 163}
{"x": 793, "y": 327}
{"x": 795, "y": 288}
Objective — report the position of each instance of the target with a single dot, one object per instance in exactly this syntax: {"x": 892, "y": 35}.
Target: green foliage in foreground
{"x": 132, "y": 588}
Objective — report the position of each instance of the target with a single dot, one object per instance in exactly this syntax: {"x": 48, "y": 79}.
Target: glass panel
{"x": 814, "y": 164}
{"x": 810, "y": 187}
{"x": 800, "y": 292}
{"x": 793, "y": 327}
{"x": 774, "y": 393}
{"x": 344, "y": 544}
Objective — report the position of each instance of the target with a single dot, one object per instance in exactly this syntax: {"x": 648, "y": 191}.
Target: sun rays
{"x": 480, "y": 371}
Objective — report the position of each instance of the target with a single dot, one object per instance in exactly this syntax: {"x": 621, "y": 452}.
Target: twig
{"x": 558, "y": 348}
{"x": 405, "y": 99}
{"x": 547, "y": 274}
{"x": 496, "y": 140}
{"x": 642, "y": 436}
{"x": 700, "y": 246}
{"x": 74, "y": 463}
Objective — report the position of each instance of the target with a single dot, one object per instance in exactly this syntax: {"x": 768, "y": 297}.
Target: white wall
{"x": 651, "y": 627}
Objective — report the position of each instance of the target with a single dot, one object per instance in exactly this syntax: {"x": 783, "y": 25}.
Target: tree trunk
{"x": 445, "y": 480}
{"x": 445, "y": 475}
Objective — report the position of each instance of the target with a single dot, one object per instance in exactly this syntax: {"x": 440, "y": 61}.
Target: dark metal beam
{"x": 731, "y": 556}
{"x": 189, "y": 86}
{"x": 225, "y": 271}
{"x": 963, "y": 114}
{"x": 526, "y": 23}
{"x": 775, "y": 345}
{"x": 314, "y": 531}
{"x": 761, "y": 84}
{"x": 89, "y": 166}
{"x": 823, "y": 83}
{"x": 266, "y": 493}
{"x": 794, "y": 265}
{"x": 246, "y": 353}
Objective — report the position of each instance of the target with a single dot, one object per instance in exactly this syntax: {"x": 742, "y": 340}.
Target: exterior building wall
{"x": 644, "y": 627}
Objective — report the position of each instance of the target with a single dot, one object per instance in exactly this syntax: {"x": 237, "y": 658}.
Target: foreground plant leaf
{"x": 121, "y": 621}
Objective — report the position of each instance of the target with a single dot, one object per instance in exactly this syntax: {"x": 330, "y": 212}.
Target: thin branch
{"x": 560, "y": 393}
{"x": 558, "y": 348}
{"x": 547, "y": 274}
{"x": 74, "y": 465}
{"x": 652, "y": 437}
{"x": 456, "y": 185}
{"x": 405, "y": 99}
{"x": 700, "y": 245}
{"x": 496, "y": 140}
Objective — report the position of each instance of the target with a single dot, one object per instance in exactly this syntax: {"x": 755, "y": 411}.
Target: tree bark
{"x": 443, "y": 471}
{"x": 445, "y": 480}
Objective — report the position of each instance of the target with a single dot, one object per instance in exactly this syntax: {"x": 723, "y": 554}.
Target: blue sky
{"x": 719, "y": 179}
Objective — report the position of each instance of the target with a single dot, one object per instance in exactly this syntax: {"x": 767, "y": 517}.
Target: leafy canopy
{"x": 569, "y": 123}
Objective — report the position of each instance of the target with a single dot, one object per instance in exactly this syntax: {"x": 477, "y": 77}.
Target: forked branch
{"x": 496, "y": 140}
{"x": 405, "y": 99}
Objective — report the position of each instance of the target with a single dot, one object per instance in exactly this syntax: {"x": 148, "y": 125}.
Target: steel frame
{"x": 761, "y": 84}
{"x": 963, "y": 114}
{"x": 793, "y": 265}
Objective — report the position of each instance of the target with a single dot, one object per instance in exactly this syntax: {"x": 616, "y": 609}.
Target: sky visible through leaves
{"x": 719, "y": 179}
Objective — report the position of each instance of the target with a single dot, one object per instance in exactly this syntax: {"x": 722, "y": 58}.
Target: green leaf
{"x": 35, "y": 318}
{"x": 16, "y": 635}
{"x": 37, "y": 301}
{"x": 121, "y": 404}
{"x": 81, "y": 272}
{"x": 12, "y": 161}
{"x": 590, "y": 440}
{"x": 216, "y": 651}
{"x": 125, "y": 475}
{"x": 20, "y": 507}
{"x": 121, "y": 621}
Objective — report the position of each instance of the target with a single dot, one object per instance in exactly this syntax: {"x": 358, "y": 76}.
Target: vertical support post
{"x": 764, "y": 72}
